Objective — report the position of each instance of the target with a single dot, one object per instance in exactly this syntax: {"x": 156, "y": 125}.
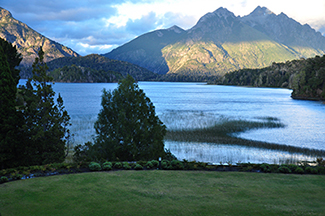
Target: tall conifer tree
{"x": 46, "y": 122}
{"x": 127, "y": 127}
{"x": 9, "y": 116}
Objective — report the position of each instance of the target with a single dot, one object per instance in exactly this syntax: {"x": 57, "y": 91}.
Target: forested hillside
{"x": 305, "y": 76}
{"x": 93, "y": 68}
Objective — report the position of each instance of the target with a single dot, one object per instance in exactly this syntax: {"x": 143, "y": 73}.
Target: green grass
{"x": 165, "y": 193}
{"x": 223, "y": 133}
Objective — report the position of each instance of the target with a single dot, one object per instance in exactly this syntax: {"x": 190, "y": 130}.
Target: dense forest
{"x": 92, "y": 68}
{"x": 78, "y": 74}
{"x": 305, "y": 76}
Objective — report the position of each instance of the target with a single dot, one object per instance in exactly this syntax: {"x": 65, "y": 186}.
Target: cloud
{"x": 144, "y": 24}
{"x": 97, "y": 26}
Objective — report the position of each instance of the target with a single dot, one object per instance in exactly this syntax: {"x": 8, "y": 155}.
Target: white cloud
{"x": 99, "y": 25}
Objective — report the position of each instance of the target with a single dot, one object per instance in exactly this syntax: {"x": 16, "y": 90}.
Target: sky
{"x": 98, "y": 26}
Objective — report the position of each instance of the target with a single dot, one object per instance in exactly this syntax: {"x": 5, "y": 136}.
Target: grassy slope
{"x": 165, "y": 193}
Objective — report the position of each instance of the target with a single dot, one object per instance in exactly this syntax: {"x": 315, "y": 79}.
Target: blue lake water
{"x": 190, "y": 105}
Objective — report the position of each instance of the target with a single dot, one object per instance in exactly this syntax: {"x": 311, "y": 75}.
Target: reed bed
{"x": 224, "y": 133}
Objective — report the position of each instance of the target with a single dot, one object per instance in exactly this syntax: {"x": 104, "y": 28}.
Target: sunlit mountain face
{"x": 221, "y": 42}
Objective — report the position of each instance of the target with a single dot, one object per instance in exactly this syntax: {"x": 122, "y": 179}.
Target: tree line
{"x": 306, "y": 77}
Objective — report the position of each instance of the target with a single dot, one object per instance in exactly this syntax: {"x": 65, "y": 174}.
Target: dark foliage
{"x": 10, "y": 118}
{"x": 305, "y": 76}
{"x": 13, "y": 58}
{"x": 46, "y": 123}
{"x": 127, "y": 128}
{"x": 78, "y": 74}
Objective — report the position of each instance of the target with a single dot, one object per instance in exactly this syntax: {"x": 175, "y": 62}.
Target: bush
{"x": 284, "y": 169}
{"x": 311, "y": 170}
{"x": 3, "y": 179}
{"x": 142, "y": 163}
{"x": 177, "y": 165}
{"x": 107, "y": 166}
{"x": 265, "y": 167}
{"x": 118, "y": 165}
{"x": 149, "y": 165}
{"x": 164, "y": 164}
{"x": 138, "y": 167}
{"x": 107, "y": 163}
{"x": 93, "y": 166}
{"x": 126, "y": 165}
{"x": 16, "y": 176}
{"x": 155, "y": 163}
{"x": 299, "y": 170}
{"x": 321, "y": 170}
{"x": 292, "y": 167}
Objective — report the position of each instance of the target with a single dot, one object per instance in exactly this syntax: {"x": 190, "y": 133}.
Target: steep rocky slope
{"x": 220, "y": 42}
{"x": 28, "y": 41}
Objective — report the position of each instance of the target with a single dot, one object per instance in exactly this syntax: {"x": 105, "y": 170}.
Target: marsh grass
{"x": 224, "y": 133}
{"x": 165, "y": 193}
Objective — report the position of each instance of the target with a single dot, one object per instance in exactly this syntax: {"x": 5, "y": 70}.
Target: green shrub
{"x": 118, "y": 165}
{"x": 189, "y": 165}
{"x": 138, "y": 167}
{"x": 142, "y": 163}
{"x": 3, "y": 179}
{"x": 311, "y": 170}
{"x": 133, "y": 165}
{"x": 265, "y": 167}
{"x": 107, "y": 163}
{"x": 107, "y": 166}
{"x": 321, "y": 170}
{"x": 3, "y": 172}
{"x": 149, "y": 165}
{"x": 164, "y": 164}
{"x": 177, "y": 165}
{"x": 284, "y": 169}
{"x": 299, "y": 170}
{"x": 210, "y": 167}
{"x": 292, "y": 167}
{"x": 126, "y": 166}
{"x": 93, "y": 166}
{"x": 16, "y": 176}
{"x": 155, "y": 163}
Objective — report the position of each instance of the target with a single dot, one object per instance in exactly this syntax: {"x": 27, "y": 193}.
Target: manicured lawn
{"x": 165, "y": 193}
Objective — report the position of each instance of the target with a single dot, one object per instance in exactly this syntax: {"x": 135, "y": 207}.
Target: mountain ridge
{"x": 220, "y": 42}
{"x": 28, "y": 40}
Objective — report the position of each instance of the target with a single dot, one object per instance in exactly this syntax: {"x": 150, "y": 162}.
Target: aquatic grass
{"x": 225, "y": 131}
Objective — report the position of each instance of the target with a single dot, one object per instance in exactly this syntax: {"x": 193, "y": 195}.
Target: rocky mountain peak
{"x": 223, "y": 12}
{"x": 216, "y": 15}
{"x": 4, "y": 13}
{"x": 176, "y": 29}
{"x": 28, "y": 40}
{"x": 261, "y": 11}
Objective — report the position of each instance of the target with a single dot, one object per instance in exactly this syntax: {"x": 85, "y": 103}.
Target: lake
{"x": 191, "y": 105}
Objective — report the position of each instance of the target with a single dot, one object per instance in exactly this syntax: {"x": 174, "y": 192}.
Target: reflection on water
{"x": 217, "y": 153}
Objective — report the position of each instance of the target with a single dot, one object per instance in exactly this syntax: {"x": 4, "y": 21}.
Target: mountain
{"x": 220, "y": 42}
{"x": 92, "y": 68}
{"x": 146, "y": 50}
{"x": 301, "y": 38}
{"x": 28, "y": 41}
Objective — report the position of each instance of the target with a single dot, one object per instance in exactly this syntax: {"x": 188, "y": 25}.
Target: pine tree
{"x": 127, "y": 127}
{"x": 9, "y": 117}
{"x": 46, "y": 122}
{"x": 13, "y": 57}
